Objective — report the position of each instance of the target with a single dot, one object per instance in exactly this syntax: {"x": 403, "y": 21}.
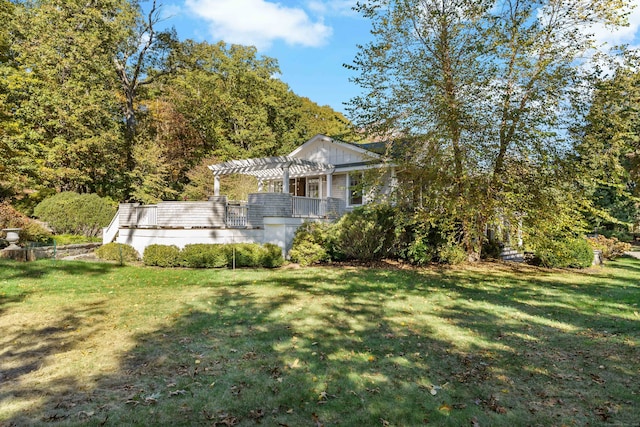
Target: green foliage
{"x": 73, "y": 239}
{"x": 161, "y": 256}
{"x": 420, "y": 251}
{"x": 611, "y": 248}
{"x": 31, "y": 230}
{"x": 367, "y": 233}
{"x": 74, "y": 213}
{"x": 452, "y": 254}
{"x": 271, "y": 256}
{"x": 570, "y": 252}
{"x": 312, "y": 244}
{"x": 307, "y": 253}
{"x": 491, "y": 249}
{"x": 119, "y": 252}
{"x": 201, "y": 255}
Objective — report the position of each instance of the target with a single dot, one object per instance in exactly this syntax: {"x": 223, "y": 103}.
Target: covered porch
{"x": 303, "y": 179}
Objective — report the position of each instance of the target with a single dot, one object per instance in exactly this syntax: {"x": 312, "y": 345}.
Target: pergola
{"x": 271, "y": 169}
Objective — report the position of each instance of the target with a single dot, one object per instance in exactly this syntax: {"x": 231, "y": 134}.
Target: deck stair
{"x": 510, "y": 254}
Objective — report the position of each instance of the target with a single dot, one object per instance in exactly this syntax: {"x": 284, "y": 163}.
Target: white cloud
{"x": 332, "y": 7}
{"x": 621, "y": 35}
{"x": 260, "y": 22}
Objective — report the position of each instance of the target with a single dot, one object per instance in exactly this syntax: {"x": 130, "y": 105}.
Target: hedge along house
{"x": 319, "y": 180}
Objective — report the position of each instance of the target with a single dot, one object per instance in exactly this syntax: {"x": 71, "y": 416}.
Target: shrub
{"x": 117, "y": 252}
{"x": 312, "y": 244}
{"x": 72, "y": 239}
{"x": 31, "y": 230}
{"x": 74, "y": 213}
{"x": 573, "y": 253}
{"x": 238, "y": 254}
{"x": 367, "y": 233}
{"x": 452, "y": 254}
{"x": 161, "y": 256}
{"x": 272, "y": 256}
{"x": 246, "y": 254}
{"x": 420, "y": 251}
{"x": 307, "y": 253}
{"x": 201, "y": 255}
{"x": 611, "y": 247}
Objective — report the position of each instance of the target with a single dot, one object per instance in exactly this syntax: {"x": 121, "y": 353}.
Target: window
{"x": 313, "y": 188}
{"x": 355, "y": 188}
{"x": 277, "y": 186}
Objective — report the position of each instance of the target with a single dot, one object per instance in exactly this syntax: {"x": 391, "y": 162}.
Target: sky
{"x": 310, "y": 39}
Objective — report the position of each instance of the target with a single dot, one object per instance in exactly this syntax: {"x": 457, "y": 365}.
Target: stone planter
{"x": 13, "y": 237}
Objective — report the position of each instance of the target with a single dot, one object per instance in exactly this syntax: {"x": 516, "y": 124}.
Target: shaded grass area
{"x": 98, "y": 344}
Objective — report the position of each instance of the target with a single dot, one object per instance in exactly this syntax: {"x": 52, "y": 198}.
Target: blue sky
{"x": 311, "y": 39}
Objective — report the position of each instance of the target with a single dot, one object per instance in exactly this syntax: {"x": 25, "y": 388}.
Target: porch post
{"x": 216, "y": 185}
{"x": 285, "y": 180}
{"x": 329, "y": 184}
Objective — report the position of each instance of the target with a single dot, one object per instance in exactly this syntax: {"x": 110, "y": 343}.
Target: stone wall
{"x": 47, "y": 252}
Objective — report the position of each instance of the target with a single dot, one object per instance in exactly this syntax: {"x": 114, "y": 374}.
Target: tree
{"x": 479, "y": 93}
{"x": 144, "y": 55}
{"x": 62, "y": 93}
{"x": 608, "y": 146}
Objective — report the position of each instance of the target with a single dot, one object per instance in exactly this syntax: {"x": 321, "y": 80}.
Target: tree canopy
{"x": 482, "y": 95}
{"x": 96, "y": 98}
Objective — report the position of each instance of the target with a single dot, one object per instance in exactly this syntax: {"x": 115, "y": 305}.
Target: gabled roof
{"x": 358, "y": 148}
{"x": 269, "y": 168}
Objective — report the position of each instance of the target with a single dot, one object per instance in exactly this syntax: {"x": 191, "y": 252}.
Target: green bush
{"x": 272, "y": 256}
{"x": 31, "y": 230}
{"x": 239, "y": 254}
{"x": 452, "y": 254}
{"x": 73, "y": 239}
{"x": 202, "y": 255}
{"x": 307, "y": 253}
{"x": 312, "y": 244}
{"x": 117, "y": 252}
{"x": 161, "y": 256}
{"x": 420, "y": 251}
{"x": 572, "y": 253}
{"x": 367, "y": 233}
{"x": 74, "y": 213}
{"x": 611, "y": 248}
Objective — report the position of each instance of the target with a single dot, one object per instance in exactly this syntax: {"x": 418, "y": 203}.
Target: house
{"x": 319, "y": 180}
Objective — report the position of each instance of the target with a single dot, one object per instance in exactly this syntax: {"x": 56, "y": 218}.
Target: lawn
{"x": 486, "y": 345}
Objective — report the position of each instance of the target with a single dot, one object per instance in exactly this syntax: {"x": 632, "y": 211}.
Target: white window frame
{"x": 349, "y": 191}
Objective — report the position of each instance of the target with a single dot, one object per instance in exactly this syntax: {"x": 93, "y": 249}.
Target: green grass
{"x": 98, "y": 344}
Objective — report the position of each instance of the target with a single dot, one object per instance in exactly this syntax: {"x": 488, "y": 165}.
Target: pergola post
{"x": 285, "y": 180}
{"x": 329, "y": 184}
{"x": 216, "y": 185}
{"x": 260, "y": 185}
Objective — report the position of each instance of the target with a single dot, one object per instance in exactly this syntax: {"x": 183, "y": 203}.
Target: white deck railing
{"x": 236, "y": 216}
{"x": 147, "y": 216}
{"x": 306, "y": 207}
{"x": 111, "y": 231}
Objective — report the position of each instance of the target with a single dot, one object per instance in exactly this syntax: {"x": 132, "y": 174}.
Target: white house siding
{"x": 339, "y": 186}
{"x": 323, "y": 150}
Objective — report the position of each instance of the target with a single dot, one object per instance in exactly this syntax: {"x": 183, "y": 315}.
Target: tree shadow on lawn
{"x": 29, "y": 350}
{"x": 43, "y": 268}
{"x": 368, "y": 347}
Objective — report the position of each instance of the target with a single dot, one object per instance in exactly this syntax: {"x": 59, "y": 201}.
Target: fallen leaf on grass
{"x": 474, "y": 422}
{"x": 316, "y": 420}
{"x": 256, "y": 415}
{"x": 445, "y": 408}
